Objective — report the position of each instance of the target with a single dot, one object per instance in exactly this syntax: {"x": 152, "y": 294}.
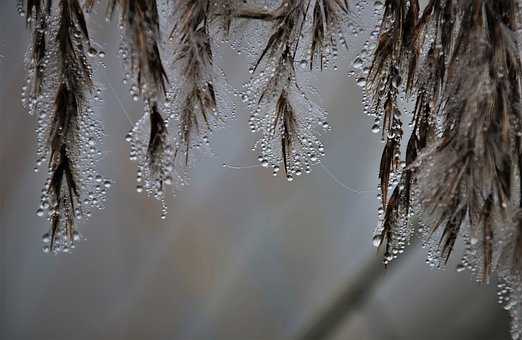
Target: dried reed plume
{"x": 196, "y": 108}
{"x": 61, "y": 71}
{"x": 141, "y": 31}
{"x": 277, "y": 85}
{"x": 458, "y": 176}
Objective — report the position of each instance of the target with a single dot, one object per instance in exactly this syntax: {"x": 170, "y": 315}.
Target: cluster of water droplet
{"x": 83, "y": 154}
{"x": 362, "y": 61}
{"x": 402, "y": 232}
{"x": 403, "y": 229}
{"x": 204, "y": 94}
{"x": 153, "y": 175}
{"x": 509, "y": 275}
{"x": 306, "y": 148}
{"x": 510, "y": 296}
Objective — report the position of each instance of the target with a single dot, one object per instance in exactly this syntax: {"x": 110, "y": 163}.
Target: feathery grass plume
{"x": 479, "y": 145}
{"x": 194, "y": 103}
{"x": 322, "y": 21}
{"x": 140, "y": 22}
{"x": 425, "y": 74}
{"x": 395, "y": 58}
{"x": 283, "y": 113}
{"x": 463, "y": 159}
{"x": 61, "y": 80}
{"x": 328, "y": 19}
{"x": 193, "y": 97}
{"x": 38, "y": 12}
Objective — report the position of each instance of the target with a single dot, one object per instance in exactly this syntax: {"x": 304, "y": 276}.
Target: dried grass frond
{"x": 141, "y": 27}
{"x": 62, "y": 81}
{"x": 193, "y": 61}
{"x": 462, "y": 152}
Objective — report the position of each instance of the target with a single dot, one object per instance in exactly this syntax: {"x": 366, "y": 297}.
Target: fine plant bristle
{"x": 285, "y": 121}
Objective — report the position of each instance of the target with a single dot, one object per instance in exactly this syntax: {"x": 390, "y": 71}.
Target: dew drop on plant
{"x": 376, "y": 240}
{"x": 361, "y": 82}
{"x": 358, "y": 63}
{"x": 46, "y": 238}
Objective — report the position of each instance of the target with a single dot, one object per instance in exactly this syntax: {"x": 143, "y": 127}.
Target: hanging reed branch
{"x": 287, "y": 134}
{"x": 149, "y": 140}
{"x": 464, "y": 148}
{"x": 195, "y": 96}
{"x": 61, "y": 79}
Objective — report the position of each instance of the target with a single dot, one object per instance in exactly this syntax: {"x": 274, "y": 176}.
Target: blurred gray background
{"x": 241, "y": 256}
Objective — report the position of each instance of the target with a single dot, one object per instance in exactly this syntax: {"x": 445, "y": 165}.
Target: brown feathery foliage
{"x": 38, "y": 12}
{"x": 61, "y": 71}
{"x": 463, "y": 149}
{"x": 327, "y": 17}
{"x": 141, "y": 25}
{"x": 70, "y": 100}
{"x": 462, "y": 165}
{"x": 279, "y": 90}
{"x": 193, "y": 61}
{"x": 396, "y": 58}
{"x": 288, "y": 21}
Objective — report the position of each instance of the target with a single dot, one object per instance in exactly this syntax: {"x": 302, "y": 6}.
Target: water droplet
{"x": 376, "y": 240}
{"x": 46, "y": 238}
{"x": 361, "y": 82}
{"x": 91, "y": 52}
{"x": 358, "y": 63}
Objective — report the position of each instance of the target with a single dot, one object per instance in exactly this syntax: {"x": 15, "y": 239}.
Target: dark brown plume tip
{"x": 157, "y": 142}
{"x": 63, "y": 201}
{"x": 285, "y": 122}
